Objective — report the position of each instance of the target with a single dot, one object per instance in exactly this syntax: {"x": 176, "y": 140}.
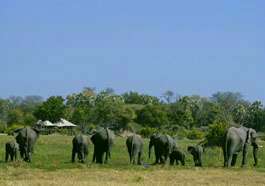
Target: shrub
{"x": 147, "y": 132}
{"x": 216, "y": 133}
{"x": 9, "y": 130}
{"x": 194, "y": 134}
{"x": 182, "y": 133}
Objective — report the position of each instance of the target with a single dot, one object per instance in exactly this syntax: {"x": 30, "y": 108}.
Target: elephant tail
{"x": 226, "y": 150}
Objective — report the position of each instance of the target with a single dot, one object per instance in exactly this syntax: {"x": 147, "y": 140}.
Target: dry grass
{"x": 27, "y": 177}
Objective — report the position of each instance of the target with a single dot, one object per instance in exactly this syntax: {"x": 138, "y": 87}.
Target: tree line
{"x": 185, "y": 115}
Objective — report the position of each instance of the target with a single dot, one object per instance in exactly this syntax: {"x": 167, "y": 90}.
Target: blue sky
{"x": 57, "y": 47}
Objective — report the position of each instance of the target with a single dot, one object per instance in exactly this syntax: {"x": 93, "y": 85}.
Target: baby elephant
{"x": 177, "y": 156}
{"x": 135, "y": 145}
{"x": 196, "y": 152}
{"x": 80, "y": 147}
{"x": 11, "y": 150}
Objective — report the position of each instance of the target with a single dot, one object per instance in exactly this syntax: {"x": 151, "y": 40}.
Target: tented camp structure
{"x": 47, "y": 127}
{"x": 64, "y": 123}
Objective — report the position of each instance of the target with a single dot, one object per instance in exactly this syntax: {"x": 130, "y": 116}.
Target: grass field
{"x": 51, "y": 166}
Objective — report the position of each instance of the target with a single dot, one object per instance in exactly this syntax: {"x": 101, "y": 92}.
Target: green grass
{"x": 53, "y": 154}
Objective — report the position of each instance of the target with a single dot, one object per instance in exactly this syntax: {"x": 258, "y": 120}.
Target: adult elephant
{"x": 237, "y": 140}
{"x": 80, "y": 147}
{"x": 135, "y": 146}
{"x": 163, "y": 146}
{"x": 103, "y": 140}
{"x": 26, "y": 139}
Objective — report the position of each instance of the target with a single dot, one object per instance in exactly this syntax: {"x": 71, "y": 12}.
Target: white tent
{"x": 64, "y": 123}
{"x": 45, "y": 123}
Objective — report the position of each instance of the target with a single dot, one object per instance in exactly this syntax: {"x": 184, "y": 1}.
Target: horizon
{"x": 58, "y": 48}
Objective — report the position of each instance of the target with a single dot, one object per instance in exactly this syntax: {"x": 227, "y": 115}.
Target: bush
{"x": 147, "y": 132}
{"x": 216, "y": 133}
{"x": 2, "y": 127}
{"x": 9, "y": 130}
{"x": 182, "y": 133}
{"x": 195, "y": 134}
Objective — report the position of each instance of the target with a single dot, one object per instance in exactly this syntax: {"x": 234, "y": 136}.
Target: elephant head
{"x": 191, "y": 150}
{"x": 252, "y": 139}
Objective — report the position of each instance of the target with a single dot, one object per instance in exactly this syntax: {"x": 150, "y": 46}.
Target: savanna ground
{"x": 51, "y": 166}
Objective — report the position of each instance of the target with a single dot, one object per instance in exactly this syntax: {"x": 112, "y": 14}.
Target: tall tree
{"x": 52, "y": 109}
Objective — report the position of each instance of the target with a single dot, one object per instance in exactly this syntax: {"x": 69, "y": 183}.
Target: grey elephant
{"x": 103, "y": 140}
{"x": 11, "y": 151}
{"x": 163, "y": 146}
{"x": 135, "y": 145}
{"x": 26, "y": 139}
{"x": 80, "y": 147}
{"x": 237, "y": 140}
{"x": 177, "y": 156}
{"x": 196, "y": 151}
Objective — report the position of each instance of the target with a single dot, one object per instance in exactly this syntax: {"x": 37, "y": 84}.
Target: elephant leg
{"x": 157, "y": 157}
{"x": 244, "y": 158}
{"x": 225, "y": 157}
{"x": 29, "y": 156}
{"x": 171, "y": 161}
{"x": 106, "y": 157}
{"x": 12, "y": 157}
{"x": 130, "y": 155}
{"x": 15, "y": 156}
{"x": 94, "y": 156}
{"x": 183, "y": 162}
{"x": 73, "y": 156}
{"x": 139, "y": 161}
{"x": 233, "y": 163}
{"x": 229, "y": 161}
{"x": 7, "y": 154}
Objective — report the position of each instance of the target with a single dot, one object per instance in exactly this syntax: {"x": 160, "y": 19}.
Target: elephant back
{"x": 26, "y": 135}
{"x": 103, "y": 136}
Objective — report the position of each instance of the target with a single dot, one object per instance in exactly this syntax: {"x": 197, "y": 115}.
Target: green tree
{"x": 141, "y": 99}
{"x": 181, "y": 113}
{"x": 153, "y": 116}
{"x": 15, "y": 116}
{"x": 256, "y": 116}
{"x": 52, "y": 109}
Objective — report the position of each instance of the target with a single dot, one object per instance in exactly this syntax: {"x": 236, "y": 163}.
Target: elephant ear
{"x": 16, "y": 131}
{"x": 190, "y": 149}
{"x": 251, "y": 134}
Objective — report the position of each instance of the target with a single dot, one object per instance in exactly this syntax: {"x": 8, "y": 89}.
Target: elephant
{"x": 177, "y": 156}
{"x": 11, "y": 150}
{"x": 103, "y": 140}
{"x": 26, "y": 139}
{"x": 163, "y": 146}
{"x": 80, "y": 147}
{"x": 196, "y": 151}
{"x": 135, "y": 145}
{"x": 236, "y": 140}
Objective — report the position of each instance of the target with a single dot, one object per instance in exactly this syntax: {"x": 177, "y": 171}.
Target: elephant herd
{"x": 235, "y": 140}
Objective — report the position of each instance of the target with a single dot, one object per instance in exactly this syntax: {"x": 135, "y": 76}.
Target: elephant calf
{"x": 196, "y": 152}
{"x": 177, "y": 156}
{"x": 135, "y": 145}
{"x": 11, "y": 150}
{"x": 80, "y": 147}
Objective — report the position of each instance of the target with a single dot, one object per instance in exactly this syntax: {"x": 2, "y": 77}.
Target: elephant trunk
{"x": 150, "y": 148}
{"x": 255, "y": 155}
